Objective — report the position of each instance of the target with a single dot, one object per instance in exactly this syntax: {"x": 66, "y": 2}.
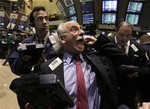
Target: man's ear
{"x": 62, "y": 39}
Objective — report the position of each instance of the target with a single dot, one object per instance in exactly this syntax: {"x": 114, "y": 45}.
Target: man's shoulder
{"x": 28, "y": 40}
{"x": 49, "y": 61}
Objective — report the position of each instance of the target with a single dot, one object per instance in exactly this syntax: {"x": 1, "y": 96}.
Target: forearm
{"x": 109, "y": 49}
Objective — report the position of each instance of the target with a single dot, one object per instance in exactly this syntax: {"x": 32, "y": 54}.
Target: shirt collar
{"x": 68, "y": 58}
{"x": 128, "y": 43}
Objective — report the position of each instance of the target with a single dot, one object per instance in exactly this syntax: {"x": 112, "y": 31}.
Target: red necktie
{"x": 82, "y": 101}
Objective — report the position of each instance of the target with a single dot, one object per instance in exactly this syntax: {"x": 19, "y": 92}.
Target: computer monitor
{"x": 68, "y": 2}
{"x": 21, "y": 25}
{"x": 73, "y": 18}
{"x": 27, "y": 28}
{"x": 71, "y": 10}
{"x": 59, "y": 5}
{"x": 87, "y": 7}
{"x": 132, "y": 18}
{"x": 108, "y": 18}
{"x": 2, "y": 16}
{"x": 109, "y": 5}
{"x": 88, "y": 18}
{"x": 1, "y": 21}
{"x": 13, "y": 21}
{"x": 135, "y": 7}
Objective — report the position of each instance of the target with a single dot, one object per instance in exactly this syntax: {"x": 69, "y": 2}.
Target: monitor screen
{"x": 135, "y": 7}
{"x": 1, "y": 21}
{"x": 27, "y": 28}
{"x": 68, "y": 2}
{"x": 132, "y": 18}
{"x": 108, "y": 18}
{"x": 21, "y": 25}
{"x": 13, "y": 21}
{"x": 71, "y": 10}
{"x": 73, "y": 18}
{"x": 109, "y": 5}
{"x": 88, "y": 18}
{"x": 59, "y": 5}
{"x": 87, "y": 7}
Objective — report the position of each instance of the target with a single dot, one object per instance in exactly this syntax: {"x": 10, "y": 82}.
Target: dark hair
{"x": 35, "y": 9}
{"x": 124, "y": 23}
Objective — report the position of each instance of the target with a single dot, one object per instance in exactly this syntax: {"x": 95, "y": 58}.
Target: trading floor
{"x": 7, "y": 97}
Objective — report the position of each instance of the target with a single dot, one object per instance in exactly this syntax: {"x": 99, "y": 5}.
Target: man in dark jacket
{"x": 144, "y": 88}
{"x": 98, "y": 71}
{"x": 130, "y": 75}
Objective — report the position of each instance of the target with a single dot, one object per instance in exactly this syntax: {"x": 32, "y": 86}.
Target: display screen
{"x": 73, "y": 18}
{"x": 135, "y": 7}
{"x": 27, "y": 28}
{"x": 1, "y": 21}
{"x": 88, "y": 18}
{"x": 109, "y": 5}
{"x": 132, "y": 18}
{"x": 108, "y": 18}
{"x": 68, "y": 2}
{"x": 87, "y": 7}
{"x": 71, "y": 10}
{"x": 21, "y": 25}
{"x": 13, "y": 21}
{"x": 59, "y": 5}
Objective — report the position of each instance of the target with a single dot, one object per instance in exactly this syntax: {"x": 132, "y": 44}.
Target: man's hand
{"x": 133, "y": 75}
{"x": 25, "y": 58}
{"x": 145, "y": 105}
{"x": 90, "y": 40}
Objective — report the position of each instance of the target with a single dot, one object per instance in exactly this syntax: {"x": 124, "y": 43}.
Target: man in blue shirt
{"x": 40, "y": 21}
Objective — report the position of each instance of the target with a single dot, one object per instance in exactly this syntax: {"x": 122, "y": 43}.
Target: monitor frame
{"x": 59, "y": 5}
{"x": 20, "y": 25}
{"x": 87, "y": 4}
{"x": 66, "y": 4}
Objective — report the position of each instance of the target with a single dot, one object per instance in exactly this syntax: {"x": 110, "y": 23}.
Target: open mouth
{"x": 80, "y": 41}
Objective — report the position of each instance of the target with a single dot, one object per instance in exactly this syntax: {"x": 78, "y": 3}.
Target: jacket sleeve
{"x": 16, "y": 65}
{"x": 110, "y": 50}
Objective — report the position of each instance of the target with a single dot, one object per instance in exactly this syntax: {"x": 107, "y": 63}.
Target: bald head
{"x": 123, "y": 33}
{"x": 124, "y": 24}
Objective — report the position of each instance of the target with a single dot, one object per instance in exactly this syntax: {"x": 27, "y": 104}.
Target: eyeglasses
{"x": 40, "y": 18}
{"x": 75, "y": 29}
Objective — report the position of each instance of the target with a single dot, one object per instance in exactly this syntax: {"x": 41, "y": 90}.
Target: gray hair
{"x": 61, "y": 30}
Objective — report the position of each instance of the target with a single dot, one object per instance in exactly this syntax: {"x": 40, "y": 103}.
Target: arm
{"x": 16, "y": 65}
{"x": 108, "y": 49}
